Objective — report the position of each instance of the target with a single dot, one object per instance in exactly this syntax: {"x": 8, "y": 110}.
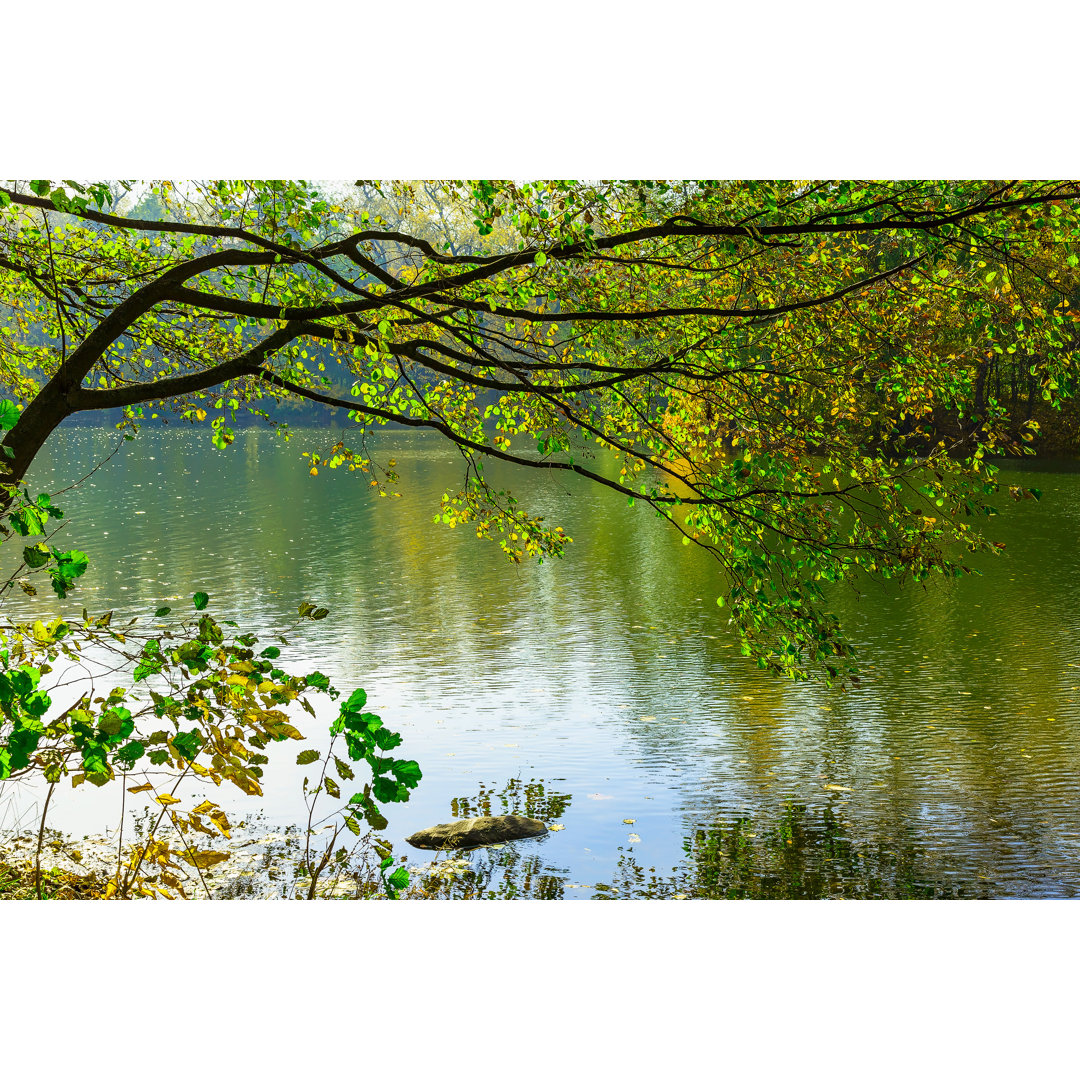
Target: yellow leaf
{"x": 200, "y": 414}
{"x": 166, "y": 800}
{"x": 141, "y": 787}
{"x": 221, "y": 821}
{"x": 204, "y": 807}
{"x": 837, "y": 787}
{"x": 243, "y": 780}
{"x": 555, "y": 828}
{"x": 628, "y": 820}
{"x": 204, "y": 859}
{"x": 195, "y": 822}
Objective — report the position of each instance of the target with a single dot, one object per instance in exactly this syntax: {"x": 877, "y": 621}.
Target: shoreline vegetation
{"x": 262, "y": 863}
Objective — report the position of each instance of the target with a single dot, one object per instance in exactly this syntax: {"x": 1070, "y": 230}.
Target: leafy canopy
{"x": 791, "y": 373}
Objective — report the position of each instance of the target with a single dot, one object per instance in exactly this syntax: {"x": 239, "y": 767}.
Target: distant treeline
{"x": 296, "y": 414}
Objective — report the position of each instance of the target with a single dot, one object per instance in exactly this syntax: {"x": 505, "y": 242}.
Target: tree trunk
{"x": 38, "y": 421}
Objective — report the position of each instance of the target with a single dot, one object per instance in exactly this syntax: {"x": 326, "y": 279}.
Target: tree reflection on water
{"x": 805, "y": 854}
{"x": 801, "y": 856}
{"x": 514, "y": 871}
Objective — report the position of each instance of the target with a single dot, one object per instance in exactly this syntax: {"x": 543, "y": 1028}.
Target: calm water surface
{"x": 607, "y": 685}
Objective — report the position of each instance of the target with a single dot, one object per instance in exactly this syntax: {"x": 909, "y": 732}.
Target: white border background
{"x": 579, "y": 89}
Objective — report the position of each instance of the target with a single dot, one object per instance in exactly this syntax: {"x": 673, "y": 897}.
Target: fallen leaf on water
{"x": 628, "y": 821}
{"x": 837, "y": 787}
{"x": 555, "y": 828}
{"x": 646, "y": 719}
{"x": 634, "y": 838}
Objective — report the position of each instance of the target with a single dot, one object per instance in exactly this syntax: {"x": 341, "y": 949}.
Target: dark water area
{"x": 604, "y": 692}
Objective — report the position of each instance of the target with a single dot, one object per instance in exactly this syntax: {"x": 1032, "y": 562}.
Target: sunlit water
{"x": 607, "y": 686}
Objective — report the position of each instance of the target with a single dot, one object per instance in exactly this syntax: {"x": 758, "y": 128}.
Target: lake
{"x": 604, "y": 692}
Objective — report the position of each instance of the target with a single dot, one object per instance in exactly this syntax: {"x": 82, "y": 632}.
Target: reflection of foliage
{"x": 503, "y": 872}
{"x": 800, "y": 857}
{"x": 493, "y": 873}
{"x": 527, "y": 798}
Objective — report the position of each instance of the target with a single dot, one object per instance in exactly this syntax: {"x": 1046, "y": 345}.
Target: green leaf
{"x": 9, "y": 415}
{"x": 162, "y": 612}
{"x": 130, "y": 752}
{"x": 386, "y": 790}
{"x": 188, "y": 743}
{"x": 36, "y": 556}
{"x": 306, "y": 757}
{"x": 200, "y": 599}
{"x": 271, "y": 652}
{"x": 37, "y": 704}
{"x": 357, "y": 700}
{"x": 69, "y": 566}
{"x": 408, "y": 772}
{"x": 150, "y": 663}
{"x": 385, "y": 739}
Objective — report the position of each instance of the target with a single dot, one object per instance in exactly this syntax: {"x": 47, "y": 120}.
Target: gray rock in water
{"x": 477, "y": 832}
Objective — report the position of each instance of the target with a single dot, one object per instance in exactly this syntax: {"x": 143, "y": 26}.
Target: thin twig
{"x": 41, "y": 839}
